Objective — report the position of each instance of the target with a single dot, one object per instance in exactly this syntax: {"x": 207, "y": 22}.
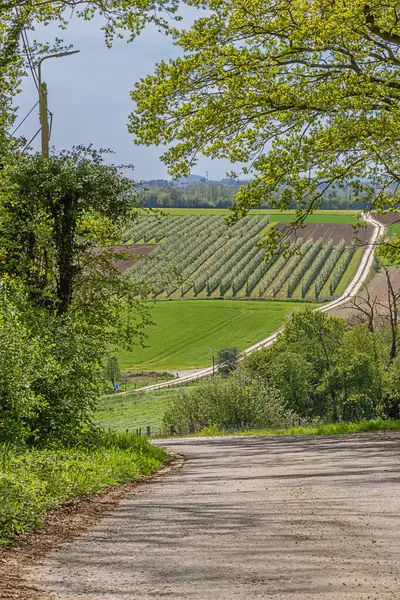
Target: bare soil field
{"x": 377, "y": 289}
{"x": 336, "y": 232}
{"x": 133, "y": 250}
{"x": 249, "y": 518}
{"x": 388, "y": 218}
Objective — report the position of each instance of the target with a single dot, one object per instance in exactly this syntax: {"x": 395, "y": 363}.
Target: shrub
{"x": 228, "y": 359}
{"x": 222, "y": 404}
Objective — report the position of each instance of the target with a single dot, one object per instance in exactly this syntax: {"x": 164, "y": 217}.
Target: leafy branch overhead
{"x": 301, "y": 95}
{"x": 118, "y": 18}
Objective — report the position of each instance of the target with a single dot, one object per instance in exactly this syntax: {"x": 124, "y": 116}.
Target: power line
{"x": 25, "y": 42}
{"x": 31, "y": 140}
{"x": 29, "y": 57}
{"x": 51, "y": 122}
{"x": 23, "y": 120}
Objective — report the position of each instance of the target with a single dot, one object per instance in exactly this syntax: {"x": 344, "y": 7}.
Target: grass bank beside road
{"x": 37, "y": 480}
{"x": 322, "y": 429}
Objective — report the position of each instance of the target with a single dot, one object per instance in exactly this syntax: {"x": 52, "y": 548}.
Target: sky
{"x": 88, "y": 93}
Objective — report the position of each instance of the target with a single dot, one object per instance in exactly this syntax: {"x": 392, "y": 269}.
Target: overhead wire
{"x": 25, "y": 118}
{"x": 25, "y": 42}
{"x": 51, "y": 123}
{"x": 31, "y": 140}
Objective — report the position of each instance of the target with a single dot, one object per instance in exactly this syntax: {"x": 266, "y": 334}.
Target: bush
{"x": 50, "y": 372}
{"x": 228, "y": 359}
{"x": 223, "y": 404}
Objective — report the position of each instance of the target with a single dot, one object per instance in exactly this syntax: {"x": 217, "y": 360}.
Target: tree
{"x": 325, "y": 369}
{"x": 228, "y": 359}
{"x": 17, "y": 56}
{"x": 55, "y": 215}
{"x": 112, "y": 371}
{"x": 59, "y": 220}
{"x": 380, "y": 312}
{"x": 304, "y": 94}
{"x": 226, "y": 403}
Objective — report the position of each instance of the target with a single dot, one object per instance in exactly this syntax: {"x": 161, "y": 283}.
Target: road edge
{"x": 61, "y": 526}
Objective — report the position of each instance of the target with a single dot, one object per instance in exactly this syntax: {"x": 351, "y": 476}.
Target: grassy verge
{"x": 331, "y": 429}
{"x": 34, "y": 481}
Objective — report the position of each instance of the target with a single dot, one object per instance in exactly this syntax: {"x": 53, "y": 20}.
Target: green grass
{"x": 333, "y": 428}
{"x": 394, "y": 229}
{"x": 35, "y": 481}
{"x": 350, "y": 272}
{"x": 122, "y": 412}
{"x": 338, "y": 218}
{"x": 186, "y": 329}
{"x": 330, "y": 429}
{"x": 320, "y": 216}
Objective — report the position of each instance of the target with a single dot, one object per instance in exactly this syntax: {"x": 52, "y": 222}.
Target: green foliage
{"x": 21, "y": 363}
{"x": 112, "y": 371}
{"x": 54, "y": 214}
{"x": 34, "y": 481}
{"x": 325, "y": 369}
{"x": 225, "y": 403}
{"x": 324, "y": 103}
{"x": 117, "y": 18}
{"x": 228, "y": 359}
{"x": 65, "y": 304}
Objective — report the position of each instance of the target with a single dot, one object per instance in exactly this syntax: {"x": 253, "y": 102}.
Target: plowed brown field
{"x": 327, "y": 232}
{"x": 388, "y": 219}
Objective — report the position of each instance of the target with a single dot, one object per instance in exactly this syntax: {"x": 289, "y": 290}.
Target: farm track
{"x": 250, "y": 518}
{"x": 352, "y": 289}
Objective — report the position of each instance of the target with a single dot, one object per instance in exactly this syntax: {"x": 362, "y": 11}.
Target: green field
{"x": 339, "y": 218}
{"x": 394, "y": 229}
{"x": 122, "y": 412}
{"x": 185, "y": 330}
{"x": 320, "y": 216}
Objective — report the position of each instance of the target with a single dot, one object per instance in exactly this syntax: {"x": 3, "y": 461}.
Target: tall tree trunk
{"x": 65, "y": 252}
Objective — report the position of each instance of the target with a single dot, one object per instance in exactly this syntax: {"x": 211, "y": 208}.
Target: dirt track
{"x": 289, "y": 518}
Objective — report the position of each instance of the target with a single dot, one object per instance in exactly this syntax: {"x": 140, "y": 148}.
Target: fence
{"x": 150, "y": 431}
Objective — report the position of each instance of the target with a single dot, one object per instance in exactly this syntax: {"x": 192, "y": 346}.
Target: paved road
{"x": 248, "y": 518}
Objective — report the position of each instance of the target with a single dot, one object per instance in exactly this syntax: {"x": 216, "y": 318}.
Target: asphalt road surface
{"x": 247, "y": 518}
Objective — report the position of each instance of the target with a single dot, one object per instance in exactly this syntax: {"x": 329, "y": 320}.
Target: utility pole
{"x": 213, "y": 359}
{"x": 43, "y": 109}
{"x": 43, "y": 116}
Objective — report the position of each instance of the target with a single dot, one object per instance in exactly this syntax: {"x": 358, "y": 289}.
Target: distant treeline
{"x": 167, "y": 194}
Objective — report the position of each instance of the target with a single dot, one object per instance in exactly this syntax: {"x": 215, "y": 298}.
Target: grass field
{"x": 325, "y": 217}
{"x": 185, "y": 330}
{"x": 122, "y": 412}
{"x": 320, "y": 216}
{"x": 394, "y": 229}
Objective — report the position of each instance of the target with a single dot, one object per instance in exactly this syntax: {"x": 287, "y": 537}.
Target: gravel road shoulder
{"x": 280, "y": 518}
